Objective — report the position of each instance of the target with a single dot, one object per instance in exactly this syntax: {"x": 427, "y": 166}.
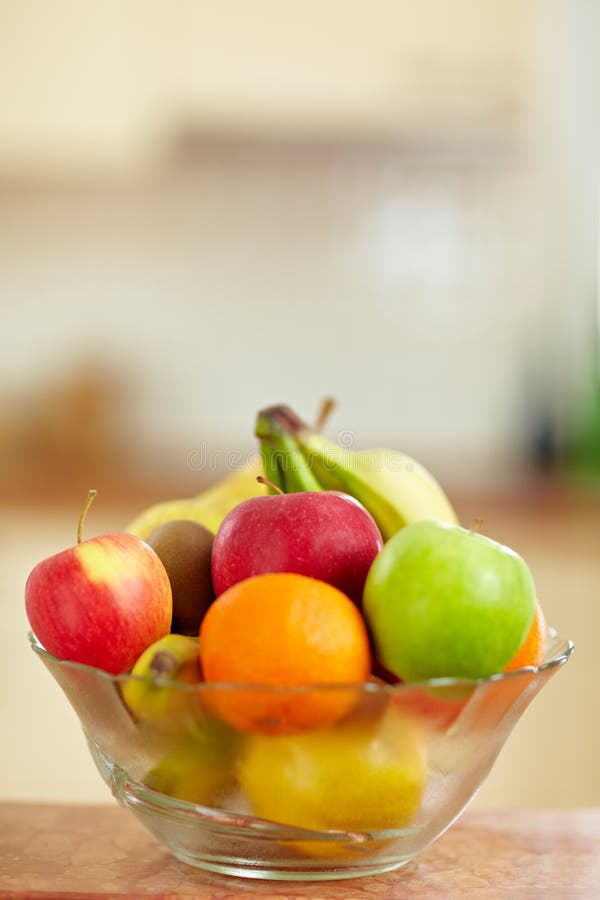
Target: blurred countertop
{"x": 98, "y": 852}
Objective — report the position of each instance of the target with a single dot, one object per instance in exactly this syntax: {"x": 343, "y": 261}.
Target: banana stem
{"x": 328, "y": 404}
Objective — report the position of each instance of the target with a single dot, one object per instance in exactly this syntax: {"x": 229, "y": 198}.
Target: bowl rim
{"x": 563, "y": 650}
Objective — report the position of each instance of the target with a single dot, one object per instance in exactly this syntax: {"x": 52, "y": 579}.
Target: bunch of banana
{"x": 395, "y": 488}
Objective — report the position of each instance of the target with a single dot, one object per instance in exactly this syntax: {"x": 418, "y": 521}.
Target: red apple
{"x": 326, "y": 535}
{"x": 101, "y": 602}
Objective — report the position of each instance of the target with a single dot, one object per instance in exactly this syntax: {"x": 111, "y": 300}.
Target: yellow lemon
{"x": 365, "y": 774}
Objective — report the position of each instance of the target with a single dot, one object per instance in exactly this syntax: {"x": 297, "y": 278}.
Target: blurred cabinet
{"x": 103, "y": 85}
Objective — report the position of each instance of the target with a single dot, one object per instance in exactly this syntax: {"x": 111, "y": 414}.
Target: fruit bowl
{"x": 359, "y": 797}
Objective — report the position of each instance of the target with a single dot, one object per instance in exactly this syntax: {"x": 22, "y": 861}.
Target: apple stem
{"x": 476, "y": 525}
{"x": 262, "y": 480}
{"x": 327, "y": 406}
{"x": 90, "y": 499}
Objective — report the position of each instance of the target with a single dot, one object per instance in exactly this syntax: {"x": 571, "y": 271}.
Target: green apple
{"x": 443, "y": 601}
{"x": 365, "y": 773}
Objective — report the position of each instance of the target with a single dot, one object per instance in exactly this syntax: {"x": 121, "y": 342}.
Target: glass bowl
{"x": 358, "y": 797}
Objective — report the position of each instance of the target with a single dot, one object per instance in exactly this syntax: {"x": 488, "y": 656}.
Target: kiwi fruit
{"x": 185, "y": 549}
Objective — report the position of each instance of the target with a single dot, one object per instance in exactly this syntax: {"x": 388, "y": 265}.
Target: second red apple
{"x": 322, "y": 534}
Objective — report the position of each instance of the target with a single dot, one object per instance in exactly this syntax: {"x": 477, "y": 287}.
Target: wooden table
{"x": 85, "y": 852}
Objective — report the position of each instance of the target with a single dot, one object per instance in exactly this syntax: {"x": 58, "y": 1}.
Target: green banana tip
{"x": 277, "y": 420}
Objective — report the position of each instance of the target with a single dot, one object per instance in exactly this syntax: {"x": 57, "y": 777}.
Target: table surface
{"x": 85, "y": 852}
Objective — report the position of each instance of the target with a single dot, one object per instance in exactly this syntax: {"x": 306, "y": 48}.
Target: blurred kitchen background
{"x": 209, "y": 207}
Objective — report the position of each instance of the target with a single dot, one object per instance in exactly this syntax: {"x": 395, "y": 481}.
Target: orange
{"x": 531, "y": 651}
{"x": 494, "y": 700}
{"x": 283, "y": 631}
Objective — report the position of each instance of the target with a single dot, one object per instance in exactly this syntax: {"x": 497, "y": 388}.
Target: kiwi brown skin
{"x": 185, "y": 549}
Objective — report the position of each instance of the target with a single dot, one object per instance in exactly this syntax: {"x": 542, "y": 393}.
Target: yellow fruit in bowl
{"x": 367, "y": 773}
{"x": 199, "y": 769}
{"x": 152, "y": 699}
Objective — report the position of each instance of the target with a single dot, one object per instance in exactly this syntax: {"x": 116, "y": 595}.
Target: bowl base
{"x": 287, "y": 872}
{"x": 217, "y": 841}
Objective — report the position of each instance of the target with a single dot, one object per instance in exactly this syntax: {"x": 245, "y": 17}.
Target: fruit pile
{"x": 294, "y": 588}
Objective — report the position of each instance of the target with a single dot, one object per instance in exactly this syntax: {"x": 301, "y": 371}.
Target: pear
{"x": 211, "y": 507}
{"x": 151, "y": 697}
{"x": 185, "y": 550}
{"x": 208, "y": 508}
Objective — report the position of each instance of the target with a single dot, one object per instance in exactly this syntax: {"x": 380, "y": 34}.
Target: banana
{"x": 209, "y": 508}
{"x": 393, "y": 487}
